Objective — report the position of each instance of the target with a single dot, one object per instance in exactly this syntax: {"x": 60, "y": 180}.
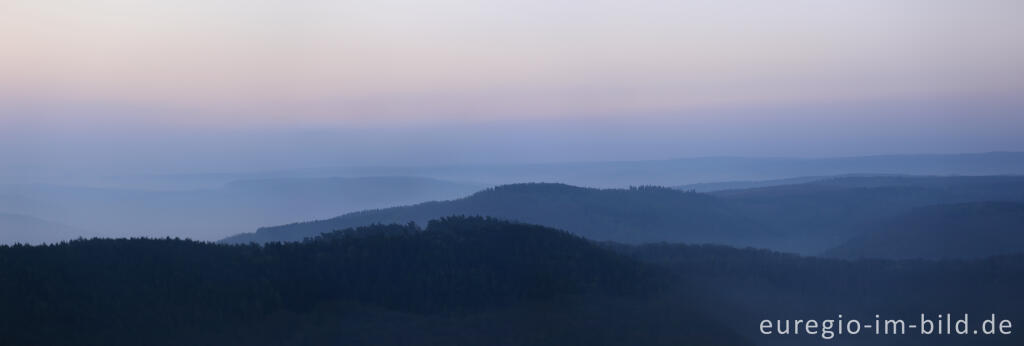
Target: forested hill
{"x": 965, "y": 230}
{"x": 372, "y": 285}
{"x": 472, "y": 281}
{"x": 635, "y": 215}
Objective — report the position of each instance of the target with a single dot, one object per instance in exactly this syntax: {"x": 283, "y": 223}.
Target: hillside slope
{"x": 465, "y": 281}
{"x": 635, "y": 215}
{"x": 967, "y": 230}
{"x": 822, "y": 214}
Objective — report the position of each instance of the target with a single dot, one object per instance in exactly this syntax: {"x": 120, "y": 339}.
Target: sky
{"x": 216, "y": 85}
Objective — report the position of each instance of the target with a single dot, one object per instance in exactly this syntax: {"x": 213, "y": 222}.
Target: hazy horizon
{"x": 149, "y": 87}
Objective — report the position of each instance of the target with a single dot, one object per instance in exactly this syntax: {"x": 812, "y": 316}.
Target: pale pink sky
{"x": 199, "y": 85}
{"x": 400, "y": 61}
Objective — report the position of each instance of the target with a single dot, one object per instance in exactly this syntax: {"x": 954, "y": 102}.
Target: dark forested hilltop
{"x": 805, "y": 218}
{"x": 470, "y": 281}
{"x": 340, "y": 287}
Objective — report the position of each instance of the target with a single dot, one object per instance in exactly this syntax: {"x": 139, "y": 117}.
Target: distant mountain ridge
{"x": 635, "y": 215}
{"x": 743, "y": 185}
{"x": 222, "y": 204}
{"x": 806, "y": 218}
{"x": 675, "y": 172}
{"x": 662, "y": 172}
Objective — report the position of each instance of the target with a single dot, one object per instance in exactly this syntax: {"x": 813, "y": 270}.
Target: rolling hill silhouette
{"x": 635, "y": 215}
{"x": 464, "y": 281}
{"x": 806, "y": 218}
